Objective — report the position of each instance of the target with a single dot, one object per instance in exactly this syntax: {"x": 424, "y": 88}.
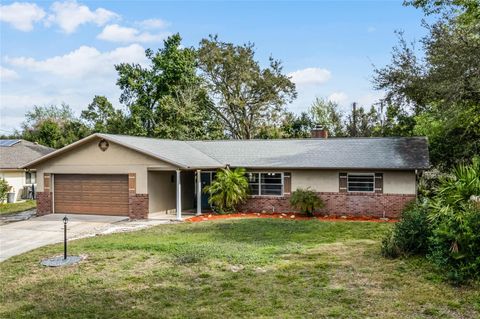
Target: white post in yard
{"x": 179, "y": 196}
{"x": 199, "y": 192}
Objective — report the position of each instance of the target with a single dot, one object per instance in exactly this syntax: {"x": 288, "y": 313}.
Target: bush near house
{"x": 410, "y": 235}
{"x": 306, "y": 201}
{"x": 4, "y": 188}
{"x": 228, "y": 189}
{"x": 444, "y": 227}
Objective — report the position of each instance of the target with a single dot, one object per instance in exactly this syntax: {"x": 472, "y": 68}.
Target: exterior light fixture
{"x": 103, "y": 145}
{"x": 65, "y": 221}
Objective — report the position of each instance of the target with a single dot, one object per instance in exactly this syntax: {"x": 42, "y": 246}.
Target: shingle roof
{"x": 173, "y": 151}
{"x": 332, "y": 153}
{"x": 356, "y": 153}
{"x": 21, "y": 153}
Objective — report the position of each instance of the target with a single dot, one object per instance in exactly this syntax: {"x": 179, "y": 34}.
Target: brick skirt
{"x": 337, "y": 204}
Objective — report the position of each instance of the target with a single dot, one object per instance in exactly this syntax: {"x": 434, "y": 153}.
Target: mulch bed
{"x": 290, "y": 216}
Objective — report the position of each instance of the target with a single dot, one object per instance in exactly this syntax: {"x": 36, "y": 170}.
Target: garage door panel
{"x": 91, "y": 194}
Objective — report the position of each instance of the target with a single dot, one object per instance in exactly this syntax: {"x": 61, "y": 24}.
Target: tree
{"x": 101, "y": 117}
{"x": 167, "y": 99}
{"x": 394, "y": 121}
{"x": 294, "y": 126}
{"x": 246, "y": 95}
{"x": 53, "y": 126}
{"x": 327, "y": 114}
{"x": 360, "y": 123}
{"x": 442, "y": 90}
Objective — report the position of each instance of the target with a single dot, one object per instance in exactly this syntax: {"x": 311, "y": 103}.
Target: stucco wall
{"x": 89, "y": 159}
{"x": 16, "y": 179}
{"x": 161, "y": 191}
{"x": 394, "y": 182}
{"x": 399, "y": 182}
{"x": 321, "y": 181}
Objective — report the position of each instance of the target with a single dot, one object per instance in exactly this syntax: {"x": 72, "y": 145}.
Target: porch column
{"x": 199, "y": 192}
{"x": 179, "y": 196}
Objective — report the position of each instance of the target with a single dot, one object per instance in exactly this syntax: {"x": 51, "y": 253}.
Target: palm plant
{"x": 455, "y": 216}
{"x": 455, "y": 191}
{"x": 306, "y": 201}
{"x": 228, "y": 189}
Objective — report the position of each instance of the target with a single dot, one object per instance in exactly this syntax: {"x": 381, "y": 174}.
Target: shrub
{"x": 410, "y": 235}
{"x": 455, "y": 217}
{"x": 455, "y": 245}
{"x": 445, "y": 226}
{"x": 4, "y": 189}
{"x": 306, "y": 201}
{"x": 227, "y": 190}
{"x": 429, "y": 182}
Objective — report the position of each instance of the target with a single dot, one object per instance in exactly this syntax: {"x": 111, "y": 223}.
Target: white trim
{"x": 260, "y": 184}
{"x": 179, "y": 195}
{"x": 199, "y": 192}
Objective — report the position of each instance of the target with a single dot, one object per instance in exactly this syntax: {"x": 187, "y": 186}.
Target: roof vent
{"x": 319, "y": 132}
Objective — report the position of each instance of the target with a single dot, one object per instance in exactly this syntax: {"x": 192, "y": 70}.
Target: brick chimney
{"x": 319, "y": 132}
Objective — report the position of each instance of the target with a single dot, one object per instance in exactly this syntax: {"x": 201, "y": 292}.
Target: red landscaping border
{"x": 290, "y": 216}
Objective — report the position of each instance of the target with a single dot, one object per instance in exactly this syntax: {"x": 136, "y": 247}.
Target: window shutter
{"x": 287, "y": 183}
{"x": 342, "y": 182}
{"x": 379, "y": 183}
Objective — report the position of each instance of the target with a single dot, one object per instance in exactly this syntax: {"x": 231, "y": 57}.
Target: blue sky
{"x": 64, "y": 51}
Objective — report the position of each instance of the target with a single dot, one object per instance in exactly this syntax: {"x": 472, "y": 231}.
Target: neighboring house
{"x": 13, "y": 155}
{"x": 135, "y": 176}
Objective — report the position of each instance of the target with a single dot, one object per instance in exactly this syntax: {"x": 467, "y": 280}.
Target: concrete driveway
{"x": 19, "y": 237}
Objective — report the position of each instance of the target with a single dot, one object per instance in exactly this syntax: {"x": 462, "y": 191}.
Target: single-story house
{"x": 138, "y": 176}
{"x": 14, "y": 154}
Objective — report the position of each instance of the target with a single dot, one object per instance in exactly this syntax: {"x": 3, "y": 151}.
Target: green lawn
{"x": 257, "y": 268}
{"x": 10, "y": 208}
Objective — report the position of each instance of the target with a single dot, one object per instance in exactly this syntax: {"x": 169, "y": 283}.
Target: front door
{"x": 207, "y": 178}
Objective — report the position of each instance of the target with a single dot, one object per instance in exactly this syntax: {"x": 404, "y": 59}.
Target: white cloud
{"x": 21, "y": 15}
{"x": 82, "y": 62}
{"x": 69, "y": 15}
{"x": 7, "y": 74}
{"x": 338, "y": 97}
{"x": 117, "y": 33}
{"x": 153, "y": 24}
{"x": 310, "y": 76}
{"x": 74, "y": 78}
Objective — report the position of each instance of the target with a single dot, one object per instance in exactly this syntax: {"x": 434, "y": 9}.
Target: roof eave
{"x": 91, "y": 137}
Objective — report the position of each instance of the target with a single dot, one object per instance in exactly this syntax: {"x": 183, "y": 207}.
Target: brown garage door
{"x": 91, "y": 194}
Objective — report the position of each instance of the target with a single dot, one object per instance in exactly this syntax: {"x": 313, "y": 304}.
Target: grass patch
{"x": 11, "y": 208}
{"x": 253, "y": 268}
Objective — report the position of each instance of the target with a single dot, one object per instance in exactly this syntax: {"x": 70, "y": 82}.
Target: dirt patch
{"x": 289, "y": 216}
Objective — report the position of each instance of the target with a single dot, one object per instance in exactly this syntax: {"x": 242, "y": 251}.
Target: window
{"x": 360, "y": 182}
{"x": 267, "y": 184}
{"x": 30, "y": 177}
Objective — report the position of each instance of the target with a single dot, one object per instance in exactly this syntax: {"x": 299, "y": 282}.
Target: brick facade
{"x": 44, "y": 203}
{"x": 138, "y": 206}
{"x": 349, "y": 204}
